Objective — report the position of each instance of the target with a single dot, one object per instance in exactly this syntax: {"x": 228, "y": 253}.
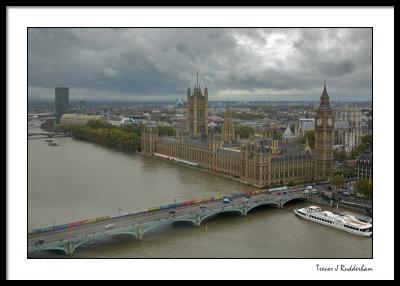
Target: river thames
{"x": 78, "y": 180}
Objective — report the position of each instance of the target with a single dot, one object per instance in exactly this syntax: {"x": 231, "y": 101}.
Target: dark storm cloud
{"x": 146, "y": 64}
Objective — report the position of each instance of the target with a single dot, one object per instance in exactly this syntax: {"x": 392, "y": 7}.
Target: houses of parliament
{"x": 259, "y": 162}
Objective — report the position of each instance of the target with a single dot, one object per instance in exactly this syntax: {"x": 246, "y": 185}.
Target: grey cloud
{"x": 160, "y": 63}
{"x": 331, "y": 68}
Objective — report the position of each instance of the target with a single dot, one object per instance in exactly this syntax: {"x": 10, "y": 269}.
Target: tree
{"x": 166, "y": 130}
{"x": 348, "y": 171}
{"x": 133, "y": 128}
{"x": 367, "y": 139}
{"x": 48, "y": 125}
{"x": 340, "y": 155}
{"x": 311, "y": 138}
{"x": 290, "y": 183}
{"x": 364, "y": 187}
{"x": 114, "y": 138}
{"x": 243, "y": 131}
{"x": 337, "y": 181}
{"x": 98, "y": 124}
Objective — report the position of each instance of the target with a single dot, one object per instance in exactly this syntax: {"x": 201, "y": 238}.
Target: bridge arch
{"x": 191, "y": 221}
{"x": 274, "y": 204}
{"x": 294, "y": 199}
{"x": 155, "y": 225}
{"x": 80, "y": 243}
{"x": 203, "y": 218}
{"x": 51, "y": 249}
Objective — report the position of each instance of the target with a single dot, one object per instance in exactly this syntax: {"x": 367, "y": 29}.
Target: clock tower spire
{"x": 324, "y": 138}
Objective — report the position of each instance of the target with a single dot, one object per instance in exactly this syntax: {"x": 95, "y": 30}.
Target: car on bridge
{"x": 172, "y": 212}
{"x": 202, "y": 206}
{"x": 109, "y": 226}
{"x": 226, "y": 200}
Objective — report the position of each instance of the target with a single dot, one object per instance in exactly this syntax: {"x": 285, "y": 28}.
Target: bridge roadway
{"x": 137, "y": 224}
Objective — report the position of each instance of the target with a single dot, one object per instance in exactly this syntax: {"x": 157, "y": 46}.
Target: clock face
{"x": 330, "y": 121}
{"x": 319, "y": 121}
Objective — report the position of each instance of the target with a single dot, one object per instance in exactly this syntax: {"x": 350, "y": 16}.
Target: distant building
{"x": 179, "y": 103}
{"x": 78, "y": 119}
{"x": 288, "y": 135}
{"x": 82, "y": 107}
{"x": 364, "y": 165}
{"x": 61, "y": 102}
{"x": 306, "y": 124}
{"x": 369, "y": 121}
{"x": 349, "y": 128}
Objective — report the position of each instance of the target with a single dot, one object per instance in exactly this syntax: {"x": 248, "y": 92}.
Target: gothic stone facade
{"x": 197, "y": 116}
{"x": 259, "y": 162}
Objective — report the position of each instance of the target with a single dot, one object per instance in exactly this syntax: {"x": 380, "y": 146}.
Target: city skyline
{"x": 263, "y": 64}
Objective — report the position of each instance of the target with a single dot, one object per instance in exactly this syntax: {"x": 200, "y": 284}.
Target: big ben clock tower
{"x": 324, "y": 138}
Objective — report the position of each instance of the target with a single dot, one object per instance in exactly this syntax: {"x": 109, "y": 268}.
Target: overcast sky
{"x": 237, "y": 64}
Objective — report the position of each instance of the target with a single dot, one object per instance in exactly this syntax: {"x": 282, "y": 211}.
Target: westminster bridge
{"x": 67, "y": 238}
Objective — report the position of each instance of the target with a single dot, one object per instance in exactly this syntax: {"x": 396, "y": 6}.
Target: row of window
{"x": 321, "y": 219}
{"x": 351, "y": 227}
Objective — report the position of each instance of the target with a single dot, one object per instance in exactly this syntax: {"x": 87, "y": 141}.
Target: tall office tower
{"x": 61, "y": 102}
{"x": 82, "y": 107}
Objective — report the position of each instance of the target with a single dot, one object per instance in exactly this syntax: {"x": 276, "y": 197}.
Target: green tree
{"x": 348, "y": 170}
{"x": 290, "y": 183}
{"x": 211, "y": 131}
{"x": 166, "y": 130}
{"x": 337, "y": 181}
{"x": 133, "y": 128}
{"x": 113, "y": 138}
{"x": 244, "y": 131}
{"x": 340, "y": 155}
{"x": 364, "y": 186}
{"x": 356, "y": 152}
{"x": 367, "y": 139}
{"x": 48, "y": 125}
{"x": 311, "y": 138}
{"x": 98, "y": 124}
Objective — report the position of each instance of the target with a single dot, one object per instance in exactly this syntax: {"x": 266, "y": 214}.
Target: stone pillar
{"x": 198, "y": 219}
{"x": 244, "y": 209}
{"x": 70, "y": 248}
{"x": 140, "y": 232}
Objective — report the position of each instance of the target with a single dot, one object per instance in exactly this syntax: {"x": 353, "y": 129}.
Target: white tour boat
{"x": 344, "y": 222}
